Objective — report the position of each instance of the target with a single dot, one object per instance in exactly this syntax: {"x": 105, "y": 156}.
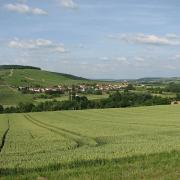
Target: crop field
{"x": 4, "y": 124}
{"x": 131, "y": 143}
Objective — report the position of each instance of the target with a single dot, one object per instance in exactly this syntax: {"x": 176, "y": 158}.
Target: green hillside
{"x": 10, "y": 79}
{"x": 35, "y": 77}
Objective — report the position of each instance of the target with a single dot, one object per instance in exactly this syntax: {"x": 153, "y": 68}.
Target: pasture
{"x": 131, "y": 143}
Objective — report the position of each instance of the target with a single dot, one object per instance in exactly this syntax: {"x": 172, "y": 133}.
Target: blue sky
{"x": 94, "y": 39}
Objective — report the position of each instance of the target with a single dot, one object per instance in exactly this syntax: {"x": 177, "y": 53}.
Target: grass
{"x": 24, "y": 77}
{"x": 66, "y": 97}
{"x": 11, "y": 96}
{"x": 166, "y": 95}
{"x": 92, "y": 97}
{"x": 132, "y": 143}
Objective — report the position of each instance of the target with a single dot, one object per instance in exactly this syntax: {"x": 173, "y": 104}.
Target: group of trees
{"x": 129, "y": 87}
{"x": 47, "y": 96}
{"x": 115, "y": 100}
{"x": 173, "y": 87}
{"x": 18, "y": 67}
{"x": 136, "y": 99}
{"x": 156, "y": 90}
{"x": 1, "y": 109}
{"x": 93, "y": 91}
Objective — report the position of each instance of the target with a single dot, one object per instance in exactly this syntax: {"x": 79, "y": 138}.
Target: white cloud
{"x": 60, "y": 49}
{"x": 177, "y": 57}
{"x": 67, "y": 3}
{"x": 24, "y": 9}
{"x": 104, "y": 58}
{"x": 37, "y": 44}
{"x": 171, "y": 35}
{"x": 122, "y": 60}
{"x": 29, "y": 44}
{"x": 139, "y": 59}
{"x": 115, "y": 60}
{"x": 169, "y": 39}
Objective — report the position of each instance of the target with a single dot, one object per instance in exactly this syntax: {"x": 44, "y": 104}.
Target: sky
{"x": 98, "y": 39}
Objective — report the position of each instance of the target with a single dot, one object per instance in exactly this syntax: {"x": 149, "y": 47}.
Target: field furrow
{"x": 26, "y": 139}
{"x": 4, "y": 124}
{"x": 4, "y": 137}
{"x": 37, "y": 123}
{"x": 80, "y": 139}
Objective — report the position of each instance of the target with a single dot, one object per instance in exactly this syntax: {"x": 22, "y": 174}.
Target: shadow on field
{"x": 171, "y": 159}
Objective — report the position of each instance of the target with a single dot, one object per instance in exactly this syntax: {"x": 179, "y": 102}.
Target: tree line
{"x": 115, "y": 100}
{"x": 170, "y": 87}
{"x": 18, "y": 67}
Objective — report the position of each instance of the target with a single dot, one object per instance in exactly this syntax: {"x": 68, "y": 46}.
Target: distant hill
{"x": 15, "y": 75}
{"x": 158, "y": 79}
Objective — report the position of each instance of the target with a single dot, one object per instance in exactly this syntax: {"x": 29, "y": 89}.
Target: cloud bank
{"x": 43, "y": 44}
{"x": 169, "y": 39}
{"x": 24, "y": 9}
{"x": 67, "y": 3}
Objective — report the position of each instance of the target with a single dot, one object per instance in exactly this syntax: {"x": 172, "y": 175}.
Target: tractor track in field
{"x": 58, "y": 128}
{"x": 50, "y": 129}
{"x": 4, "y": 137}
{"x": 80, "y": 139}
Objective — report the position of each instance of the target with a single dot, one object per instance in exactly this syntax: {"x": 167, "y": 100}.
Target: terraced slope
{"x": 133, "y": 143}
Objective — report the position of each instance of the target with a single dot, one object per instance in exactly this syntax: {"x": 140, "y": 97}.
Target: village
{"x": 82, "y": 88}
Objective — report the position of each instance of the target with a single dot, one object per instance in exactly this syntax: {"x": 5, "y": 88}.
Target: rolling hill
{"x": 33, "y": 76}
{"x": 13, "y": 76}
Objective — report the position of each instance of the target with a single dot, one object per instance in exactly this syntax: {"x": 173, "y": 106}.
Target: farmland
{"x": 127, "y": 143}
{"x": 10, "y": 79}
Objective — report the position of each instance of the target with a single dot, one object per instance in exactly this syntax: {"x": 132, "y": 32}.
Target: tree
{"x": 1, "y": 109}
{"x": 25, "y": 107}
{"x": 98, "y": 92}
{"x": 130, "y": 87}
{"x": 178, "y": 96}
{"x": 173, "y": 87}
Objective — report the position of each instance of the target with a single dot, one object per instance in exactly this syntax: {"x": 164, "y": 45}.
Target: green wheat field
{"x": 132, "y": 143}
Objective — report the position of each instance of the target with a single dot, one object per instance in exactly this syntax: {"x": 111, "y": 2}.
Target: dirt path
{"x": 28, "y": 78}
